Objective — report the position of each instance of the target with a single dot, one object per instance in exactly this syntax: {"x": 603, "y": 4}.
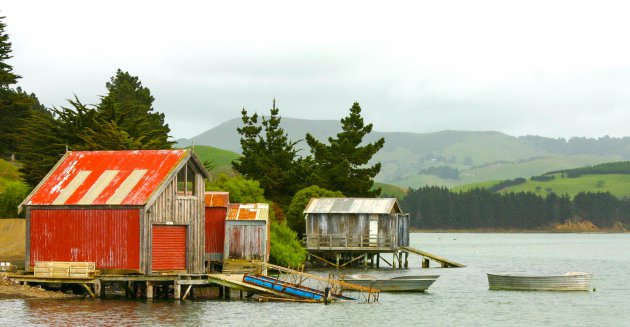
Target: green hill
{"x": 418, "y": 159}
{"x": 616, "y": 184}
{"x": 220, "y": 159}
{"x": 388, "y": 190}
{"x": 611, "y": 177}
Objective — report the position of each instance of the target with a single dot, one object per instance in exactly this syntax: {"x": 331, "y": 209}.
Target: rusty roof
{"x": 217, "y": 199}
{"x": 353, "y": 205}
{"x": 248, "y": 211}
{"x": 127, "y": 177}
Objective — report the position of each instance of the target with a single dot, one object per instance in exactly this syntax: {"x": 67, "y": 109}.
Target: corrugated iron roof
{"x": 248, "y": 211}
{"x": 106, "y": 177}
{"x": 353, "y": 205}
{"x": 217, "y": 199}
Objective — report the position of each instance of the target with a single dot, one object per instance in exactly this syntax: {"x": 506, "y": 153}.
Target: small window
{"x": 186, "y": 182}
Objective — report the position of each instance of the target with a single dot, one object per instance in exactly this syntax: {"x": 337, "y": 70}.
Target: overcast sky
{"x": 550, "y": 68}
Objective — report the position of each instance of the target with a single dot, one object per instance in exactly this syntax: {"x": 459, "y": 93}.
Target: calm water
{"x": 459, "y": 298}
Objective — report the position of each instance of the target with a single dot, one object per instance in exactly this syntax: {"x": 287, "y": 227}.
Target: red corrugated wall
{"x": 109, "y": 237}
{"x": 215, "y": 229}
{"x": 168, "y": 248}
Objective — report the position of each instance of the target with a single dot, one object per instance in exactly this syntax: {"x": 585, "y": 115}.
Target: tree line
{"x": 434, "y": 207}
{"x": 620, "y": 167}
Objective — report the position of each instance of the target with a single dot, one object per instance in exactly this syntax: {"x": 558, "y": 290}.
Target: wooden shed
{"x": 355, "y": 226}
{"x": 127, "y": 211}
{"x": 247, "y": 235}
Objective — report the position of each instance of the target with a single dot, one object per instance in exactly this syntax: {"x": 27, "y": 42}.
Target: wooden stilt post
{"x": 99, "y": 288}
{"x": 406, "y": 259}
{"x": 177, "y": 291}
{"x": 425, "y": 262}
{"x": 149, "y": 290}
{"x": 337, "y": 257}
{"x": 227, "y": 293}
{"x": 394, "y": 260}
{"x": 378, "y": 260}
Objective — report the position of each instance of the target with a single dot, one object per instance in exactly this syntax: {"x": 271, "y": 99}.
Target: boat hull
{"x": 567, "y": 282}
{"x": 397, "y": 284}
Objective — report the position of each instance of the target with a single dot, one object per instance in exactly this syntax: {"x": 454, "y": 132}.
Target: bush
{"x": 241, "y": 190}
{"x": 14, "y": 193}
{"x": 295, "y": 215}
{"x": 285, "y": 250}
{"x": 543, "y": 178}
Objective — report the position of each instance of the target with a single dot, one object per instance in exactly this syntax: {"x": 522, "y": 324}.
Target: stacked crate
{"x": 58, "y": 269}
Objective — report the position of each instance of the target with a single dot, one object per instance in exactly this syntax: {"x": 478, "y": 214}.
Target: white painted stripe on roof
{"x": 74, "y": 184}
{"x": 125, "y": 188}
{"x": 101, "y": 183}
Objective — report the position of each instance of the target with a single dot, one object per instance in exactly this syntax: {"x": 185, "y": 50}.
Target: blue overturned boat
{"x": 293, "y": 290}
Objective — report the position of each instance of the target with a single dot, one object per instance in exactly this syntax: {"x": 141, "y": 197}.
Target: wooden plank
{"x": 89, "y": 290}
{"x": 444, "y": 262}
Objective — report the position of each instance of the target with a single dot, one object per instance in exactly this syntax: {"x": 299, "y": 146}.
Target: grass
{"x": 8, "y": 173}
{"x": 388, "y": 190}
{"x": 222, "y": 159}
{"x": 616, "y": 184}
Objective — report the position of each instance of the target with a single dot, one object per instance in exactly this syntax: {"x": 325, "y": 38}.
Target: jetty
{"x": 280, "y": 284}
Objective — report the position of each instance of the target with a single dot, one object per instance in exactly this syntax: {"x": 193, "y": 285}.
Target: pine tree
{"x": 41, "y": 146}
{"x": 271, "y": 159}
{"x": 128, "y": 109}
{"x": 341, "y": 165}
{"x": 14, "y": 104}
{"x": 7, "y": 77}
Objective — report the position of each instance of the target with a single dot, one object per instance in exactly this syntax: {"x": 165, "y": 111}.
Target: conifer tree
{"x": 341, "y": 165}
{"x": 127, "y": 109}
{"x": 271, "y": 158}
{"x": 7, "y": 77}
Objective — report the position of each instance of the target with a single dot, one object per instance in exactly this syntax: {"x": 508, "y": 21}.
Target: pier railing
{"x": 337, "y": 241}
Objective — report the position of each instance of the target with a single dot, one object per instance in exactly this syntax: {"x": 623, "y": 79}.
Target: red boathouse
{"x": 128, "y": 211}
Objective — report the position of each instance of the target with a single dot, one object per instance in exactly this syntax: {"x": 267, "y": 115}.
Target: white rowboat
{"x": 395, "y": 284}
{"x": 571, "y": 281}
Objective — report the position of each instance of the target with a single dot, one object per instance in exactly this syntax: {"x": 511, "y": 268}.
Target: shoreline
{"x": 11, "y": 290}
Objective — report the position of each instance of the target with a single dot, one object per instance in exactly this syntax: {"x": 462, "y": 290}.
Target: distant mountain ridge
{"x": 411, "y": 159}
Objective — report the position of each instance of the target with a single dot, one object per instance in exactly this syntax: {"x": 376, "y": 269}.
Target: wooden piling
{"x": 177, "y": 291}
{"x": 149, "y": 290}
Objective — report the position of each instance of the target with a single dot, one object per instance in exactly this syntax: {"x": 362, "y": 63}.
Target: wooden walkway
{"x": 444, "y": 263}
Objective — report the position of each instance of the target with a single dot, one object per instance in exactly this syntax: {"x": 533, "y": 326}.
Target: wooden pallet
{"x": 232, "y": 266}
{"x": 59, "y": 269}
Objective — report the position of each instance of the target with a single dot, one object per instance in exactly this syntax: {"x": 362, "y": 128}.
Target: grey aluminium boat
{"x": 395, "y": 284}
{"x": 571, "y": 281}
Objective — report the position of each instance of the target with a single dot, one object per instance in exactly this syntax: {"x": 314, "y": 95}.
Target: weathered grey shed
{"x": 366, "y": 226}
